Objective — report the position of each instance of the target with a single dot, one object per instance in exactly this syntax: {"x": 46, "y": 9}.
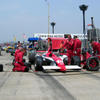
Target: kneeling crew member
{"x": 19, "y": 63}
{"x": 16, "y": 52}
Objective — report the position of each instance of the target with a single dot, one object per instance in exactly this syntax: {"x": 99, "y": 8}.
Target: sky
{"x": 18, "y": 17}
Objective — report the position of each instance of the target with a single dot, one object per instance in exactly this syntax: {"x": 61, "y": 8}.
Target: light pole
{"x": 83, "y": 8}
{"x": 53, "y": 24}
{"x": 48, "y": 17}
{"x": 92, "y": 23}
{"x": 48, "y": 14}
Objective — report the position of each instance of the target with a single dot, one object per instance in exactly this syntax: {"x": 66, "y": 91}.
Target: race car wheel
{"x": 38, "y": 63}
{"x": 31, "y": 57}
{"x": 75, "y": 60}
{"x": 65, "y": 60}
{"x": 92, "y": 64}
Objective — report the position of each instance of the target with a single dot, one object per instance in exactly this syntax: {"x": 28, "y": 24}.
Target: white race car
{"x": 51, "y": 61}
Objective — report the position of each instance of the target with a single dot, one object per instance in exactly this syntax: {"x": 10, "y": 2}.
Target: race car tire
{"x": 75, "y": 60}
{"x": 92, "y": 64}
{"x": 1, "y": 68}
{"x": 65, "y": 60}
{"x": 31, "y": 57}
{"x": 27, "y": 65}
{"x": 38, "y": 63}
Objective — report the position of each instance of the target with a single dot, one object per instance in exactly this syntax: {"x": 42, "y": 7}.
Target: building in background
{"x": 44, "y": 36}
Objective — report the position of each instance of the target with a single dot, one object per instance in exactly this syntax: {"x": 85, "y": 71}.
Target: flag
{"x": 14, "y": 39}
{"x": 24, "y": 36}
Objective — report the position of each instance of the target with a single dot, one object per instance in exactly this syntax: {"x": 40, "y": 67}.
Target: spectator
{"x": 19, "y": 62}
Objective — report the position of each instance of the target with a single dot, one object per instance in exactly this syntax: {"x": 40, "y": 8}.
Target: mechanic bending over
{"x": 69, "y": 44}
{"x": 84, "y": 56}
{"x": 96, "y": 48}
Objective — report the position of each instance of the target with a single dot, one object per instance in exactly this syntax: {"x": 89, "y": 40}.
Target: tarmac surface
{"x": 81, "y": 85}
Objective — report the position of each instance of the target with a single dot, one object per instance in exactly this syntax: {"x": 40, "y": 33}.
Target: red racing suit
{"x": 17, "y": 51}
{"x": 77, "y": 47}
{"x": 96, "y": 48}
{"x": 69, "y": 46}
{"x": 19, "y": 64}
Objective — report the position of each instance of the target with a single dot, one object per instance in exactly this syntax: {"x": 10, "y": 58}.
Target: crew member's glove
{"x": 24, "y": 60}
{"x": 50, "y": 55}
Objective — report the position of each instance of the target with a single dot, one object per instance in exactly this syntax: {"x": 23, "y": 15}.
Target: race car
{"x": 51, "y": 61}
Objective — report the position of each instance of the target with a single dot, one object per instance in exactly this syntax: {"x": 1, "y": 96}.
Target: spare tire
{"x": 92, "y": 64}
{"x": 65, "y": 60}
{"x": 75, "y": 60}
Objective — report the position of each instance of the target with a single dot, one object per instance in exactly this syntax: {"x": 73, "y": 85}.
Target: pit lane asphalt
{"x": 83, "y": 85}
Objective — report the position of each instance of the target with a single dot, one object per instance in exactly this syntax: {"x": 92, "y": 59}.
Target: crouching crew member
{"x": 19, "y": 64}
{"x": 85, "y": 55}
{"x": 96, "y": 48}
